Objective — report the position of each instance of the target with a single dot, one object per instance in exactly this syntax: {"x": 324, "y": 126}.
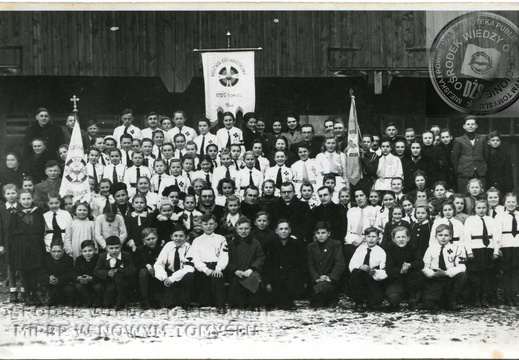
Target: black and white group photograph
{"x": 335, "y": 181}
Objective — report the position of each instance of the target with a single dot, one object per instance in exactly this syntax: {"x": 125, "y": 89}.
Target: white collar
{"x": 109, "y": 257}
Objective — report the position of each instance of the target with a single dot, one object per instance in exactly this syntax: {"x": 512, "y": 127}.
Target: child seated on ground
{"x": 403, "y": 268}
{"x": 175, "y": 269}
{"x": 246, "y": 259}
{"x": 368, "y": 269}
{"x": 444, "y": 269}
{"x": 116, "y": 269}
{"x": 145, "y": 257}
{"x": 57, "y": 276}
{"x": 326, "y": 266}
{"x": 88, "y": 286}
{"x": 210, "y": 258}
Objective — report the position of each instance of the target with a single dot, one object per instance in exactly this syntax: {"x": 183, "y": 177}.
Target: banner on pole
{"x": 353, "y": 162}
{"x": 75, "y": 176}
{"x": 229, "y": 82}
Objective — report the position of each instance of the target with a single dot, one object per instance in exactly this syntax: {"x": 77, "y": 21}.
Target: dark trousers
{"x": 59, "y": 293}
{"x": 286, "y": 287}
{"x": 347, "y": 251}
{"x": 211, "y": 290}
{"x": 406, "y": 285}
{"x": 149, "y": 287}
{"x": 179, "y": 293}
{"x": 90, "y": 294}
{"x": 239, "y": 296}
{"x": 510, "y": 281}
{"x": 442, "y": 291}
{"x": 365, "y": 288}
{"x": 116, "y": 289}
{"x": 323, "y": 294}
{"x": 29, "y": 280}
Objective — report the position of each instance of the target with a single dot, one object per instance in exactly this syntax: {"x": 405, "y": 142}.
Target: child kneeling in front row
{"x": 444, "y": 269}
{"x": 403, "y": 267}
{"x": 210, "y": 256}
{"x": 326, "y": 266}
{"x": 145, "y": 257}
{"x": 88, "y": 286}
{"x": 57, "y": 276}
{"x": 175, "y": 269}
{"x": 116, "y": 269}
{"x": 368, "y": 269}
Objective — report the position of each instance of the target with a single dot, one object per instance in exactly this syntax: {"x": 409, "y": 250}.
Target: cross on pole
{"x": 75, "y": 99}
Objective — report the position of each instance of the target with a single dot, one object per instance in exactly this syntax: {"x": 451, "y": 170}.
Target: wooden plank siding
{"x": 296, "y": 44}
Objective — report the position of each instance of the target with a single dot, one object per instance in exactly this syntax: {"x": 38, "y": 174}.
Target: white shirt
{"x": 457, "y": 227}
{"x": 332, "y": 162}
{"x": 133, "y": 130}
{"x": 99, "y": 170}
{"x": 219, "y": 174}
{"x": 202, "y": 175}
{"x": 124, "y": 158}
{"x": 223, "y": 134}
{"x": 473, "y": 234}
{"x": 166, "y": 261}
{"x": 389, "y": 167}
{"x": 232, "y": 219}
{"x": 264, "y": 164}
{"x": 120, "y": 169}
{"x": 503, "y": 235}
{"x": 209, "y": 139}
{"x": 130, "y": 175}
{"x": 64, "y": 220}
{"x": 113, "y": 260}
{"x": 189, "y": 214}
{"x": 188, "y": 132}
{"x": 368, "y": 216}
{"x": 452, "y": 254}
{"x": 183, "y": 183}
{"x": 377, "y": 260}
{"x": 272, "y": 174}
{"x": 155, "y": 182}
{"x": 243, "y": 178}
{"x": 313, "y": 169}
{"x": 148, "y": 133}
{"x": 209, "y": 248}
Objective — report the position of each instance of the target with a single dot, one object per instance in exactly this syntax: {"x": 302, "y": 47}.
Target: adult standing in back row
{"x": 44, "y": 130}
{"x": 469, "y": 155}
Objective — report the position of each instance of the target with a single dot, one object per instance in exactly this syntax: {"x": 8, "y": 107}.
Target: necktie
{"x": 332, "y": 163}
{"x": 115, "y": 179}
{"x": 279, "y": 178}
{"x": 191, "y": 227}
{"x": 189, "y": 177}
{"x": 176, "y": 260}
{"x": 257, "y": 165}
{"x": 56, "y": 229}
{"x": 103, "y": 161}
{"x": 227, "y": 174}
{"x": 251, "y": 181}
{"x": 12, "y": 209}
{"x": 95, "y": 175}
{"x": 202, "y": 148}
{"x": 207, "y": 179}
{"x": 159, "y": 156}
{"x": 145, "y": 162}
{"x": 441, "y": 262}
{"x": 514, "y": 224}
{"x": 176, "y": 182}
{"x": 305, "y": 172}
{"x": 236, "y": 164}
{"x": 494, "y": 213}
{"x": 125, "y": 130}
{"x": 486, "y": 242}
{"x": 366, "y": 258}
{"x": 138, "y": 174}
{"x": 360, "y": 226}
{"x": 228, "y": 139}
{"x": 128, "y": 159}
{"x": 452, "y": 228}
{"x": 160, "y": 180}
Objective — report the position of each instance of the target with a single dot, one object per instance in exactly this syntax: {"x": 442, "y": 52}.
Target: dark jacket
{"x": 83, "y": 267}
{"x": 297, "y": 212}
{"x": 145, "y": 255}
{"x": 5, "y": 218}
{"x": 314, "y": 147}
{"x": 386, "y": 238}
{"x": 467, "y": 158}
{"x": 329, "y": 261}
{"x": 264, "y": 236}
{"x": 334, "y": 215}
{"x": 410, "y": 167}
{"x": 63, "y": 269}
{"x": 396, "y": 256}
{"x": 52, "y": 134}
{"x": 124, "y": 266}
{"x": 282, "y": 259}
{"x": 437, "y": 163}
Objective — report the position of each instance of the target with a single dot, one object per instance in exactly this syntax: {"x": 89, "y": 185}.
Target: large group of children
{"x": 250, "y": 218}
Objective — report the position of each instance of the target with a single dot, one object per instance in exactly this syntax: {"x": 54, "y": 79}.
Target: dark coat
{"x": 465, "y": 157}
{"x": 315, "y": 147}
{"x": 268, "y": 141}
{"x": 52, "y": 134}
{"x": 249, "y": 210}
{"x": 297, "y": 212}
{"x": 25, "y": 240}
{"x": 437, "y": 163}
{"x": 248, "y": 137}
{"x": 396, "y": 256}
{"x": 282, "y": 259}
{"x": 145, "y": 255}
{"x": 449, "y": 170}
{"x": 420, "y": 234}
{"x": 10, "y": 176}
{"x": 329, "y": 261}
{"x": 134, "y": 230}
{"x": 63, "y": 269}
{"x": 245, "y": 253}
{"x": 124, "y": 266}
{"x": 410, "y": 167}
{"x": 67, "y": 134}
{"x": 5, "y": 218}
{"x": 35, "y": 165}
{"x": 386, "y": 238}
{"x": 335, "y": 216}
{"x": 264, "y": 236}
{"x": 500, "y": 172}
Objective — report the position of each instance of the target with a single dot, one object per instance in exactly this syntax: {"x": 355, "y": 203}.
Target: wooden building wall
{"x": 296, "y": 44}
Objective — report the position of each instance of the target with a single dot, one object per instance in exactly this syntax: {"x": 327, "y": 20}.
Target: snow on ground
{"x": 69, "y": 332}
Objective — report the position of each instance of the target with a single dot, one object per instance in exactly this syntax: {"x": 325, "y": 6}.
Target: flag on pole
{"x": 353, "y": 167}
{"x": 75, "y": 176}
{"x": 229, "y": 82}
